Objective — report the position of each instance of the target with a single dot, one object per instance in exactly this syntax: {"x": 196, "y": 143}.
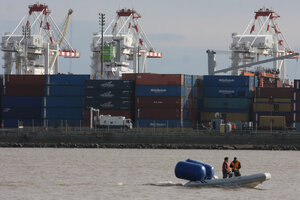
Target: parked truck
{"x": 108, "y": 121}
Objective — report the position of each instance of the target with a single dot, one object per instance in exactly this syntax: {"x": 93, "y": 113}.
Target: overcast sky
{"x": 181, "y": 31}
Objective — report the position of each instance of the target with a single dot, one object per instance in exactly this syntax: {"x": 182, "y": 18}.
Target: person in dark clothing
{"x": 235, "y": 165}
{"x": 226, "y": 169}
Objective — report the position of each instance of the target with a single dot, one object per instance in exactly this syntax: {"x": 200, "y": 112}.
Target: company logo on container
{"x": 225, "y": 80}
{"x": 158, "y": 102}
{"x": 158, "y": 124}
{"x": 158, "y": 90}
{"x": 108, "y": 84}
{"x": 107, "y": 95}
{"x": 226, "y": 91}
{"x": 107, "y": 105}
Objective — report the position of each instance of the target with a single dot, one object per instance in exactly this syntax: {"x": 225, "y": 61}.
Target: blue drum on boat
{"x": 190, "y": 171}
{"x": 210, "y": 171}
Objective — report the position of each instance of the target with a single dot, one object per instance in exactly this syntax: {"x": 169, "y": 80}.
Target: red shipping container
{"x": 274, "y": 92}
{"x": 38, "y": 80}
{"x": 129, "y": 76}
{"x": 160, "y": 102}
{"x": 154, "y": 113}
{"x": 155, "y": 79}
{"x": 24, "y": 90}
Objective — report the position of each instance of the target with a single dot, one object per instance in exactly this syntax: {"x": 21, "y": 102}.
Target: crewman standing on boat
{"x": 226, "y": 169}
{"x": 235, "y": 165}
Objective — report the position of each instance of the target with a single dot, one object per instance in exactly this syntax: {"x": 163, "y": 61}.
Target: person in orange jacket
{"x": 235, "y": 165}
{"x": 226, "y": 169}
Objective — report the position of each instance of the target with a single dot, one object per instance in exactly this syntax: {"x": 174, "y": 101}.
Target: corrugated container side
{"x": 63, "y": 102}
{"x": 64, "y": 122}
{"x": 110, "y": 84}
{"x": 110, "y": 104}
{"x": 37, "y": 80}
{"x": 160, "y": 102}
{"x": 24, "y": 90}
{"x": 62, "y": 113}
{"x": 275, "y": 107}
{"x": 129, "y": 76}
{"x": 156, "y": 113}
{"x": 163, "y": 123}
{"x": 230, "y": 92}
{"x": 274, "y": 100}
{"x": 159, "y": 79}
{"x": 66, "y": 79}
{"x": 228, "y": 81}
{"x": 234, "y": 117}
{"x": 21, "y": 113}
{"x": 227, "y": 103}
{"x": 23, "y": 102}
{"x": 160, "y": 90}
{"x": 13, "y": 123}
{"x": 278, "y": 122}
{"x": 274, "y": 92}
{"x": 109, "y": 94}
{"x": 289, "y": 117}
{"x": 64, "y": 91}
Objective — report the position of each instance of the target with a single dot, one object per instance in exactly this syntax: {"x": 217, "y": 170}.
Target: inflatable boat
{"x": 202, "y": 175}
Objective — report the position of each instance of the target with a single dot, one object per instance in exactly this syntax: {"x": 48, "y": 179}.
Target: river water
{"x": 45, "y": 173}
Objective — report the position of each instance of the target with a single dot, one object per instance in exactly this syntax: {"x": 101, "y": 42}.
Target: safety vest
{"x": 235, "y": 165}
{"x": 227, "y": 167}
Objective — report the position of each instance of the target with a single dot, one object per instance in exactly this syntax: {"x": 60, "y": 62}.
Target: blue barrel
{"x": 210, "y": 171}
{"x": 190, "y": 171}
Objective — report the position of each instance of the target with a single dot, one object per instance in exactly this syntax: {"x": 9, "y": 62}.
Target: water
{"x": 33, "y": 173}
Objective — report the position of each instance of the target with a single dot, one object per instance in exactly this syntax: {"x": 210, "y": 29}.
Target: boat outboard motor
{"x": 210, "y": 171}
{"x": 190, "y": 171}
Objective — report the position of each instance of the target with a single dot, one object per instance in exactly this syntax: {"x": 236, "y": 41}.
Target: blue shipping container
{"x": 62, "y": 113}
{"x": 13, "y": 123}
{"x": 65, "y": 79}
{"x": 227, "y": 92}
{"x": 163, "y": 123}
{"x": 157, "y": 90}
{"x": 219, "y": 110}
{"x": 22, "y": 102}
{"x": 63, "y": 122}
{"x": 64, "y": 91}
{"x": 110, "y": 84}
{"x": 228, "y": 81}
{"x": 21, "y": 113}
{"x": 227, "y": 103}
{"x": 63, "y": 102}
{"x": 109, "y": 94}
{"x": 104, "y": 104}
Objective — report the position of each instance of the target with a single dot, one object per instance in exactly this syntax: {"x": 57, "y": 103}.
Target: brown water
{"x": 33, "y": 173}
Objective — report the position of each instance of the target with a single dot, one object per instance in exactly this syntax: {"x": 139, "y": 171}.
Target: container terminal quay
{"x": 121, "y": 104}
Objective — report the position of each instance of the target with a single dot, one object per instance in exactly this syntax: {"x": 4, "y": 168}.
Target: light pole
{"x": 102, "y": 23}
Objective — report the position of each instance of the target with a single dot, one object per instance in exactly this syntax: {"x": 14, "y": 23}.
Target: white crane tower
{"x": 35, "y": 46}
{"x": 262, "y": 37}
{"x": 124, "y": 41}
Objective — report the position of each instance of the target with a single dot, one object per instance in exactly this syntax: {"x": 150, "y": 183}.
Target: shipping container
{"x": 275, "y": 107}
{"x": 276, "y": 122}
{"x": 62, "y": 113}
{"x": 64, "y": 122}
{"x": 228, "y": 81}
{"x": 66, "y": 79}
{"x": 37, "y": 80}
{"x": 227, "y": 103}
{"x": 160, "y": 102}
{"x": 297, "y": 84}
{"x": 163, "y": 123}
{"x": 228, "y": 92}
{"x": 110, "y": 84}
{"x": 234, "y": 117}
{"x": 21, "y": 113}
{"x": 274, "y": 93}
{"x": 65, "y": 102}
{"x": 160, "y": 90}
{"x": 22, "y": 102}
{"x": 289, "y": 116}
{"x": 272, "y": 100}
{"x": 109, "y": 94}
{"x": 15, "y": 123}
{"x": 109, "y": 104}
{"x": 64, "y": 91}
{"x": 155, "y": 79}
{"x": 24, "y": 90}
{"x": 159, "y": 113}
{"x": 296, "y": 95}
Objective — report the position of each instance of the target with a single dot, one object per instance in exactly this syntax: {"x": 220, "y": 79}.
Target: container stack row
{"x": 228, "y": 97}
{"x": 111, "y": 97}
{"x": 296, "y": 105}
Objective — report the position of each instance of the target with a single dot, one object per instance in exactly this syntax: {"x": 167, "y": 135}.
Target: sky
{"x": 181, "y": 30}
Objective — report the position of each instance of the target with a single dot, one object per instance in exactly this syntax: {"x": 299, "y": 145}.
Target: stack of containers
{"x": 22, "y": 101}
{"x": 162, "y": 99}
{"x": 111, "y": 97}
{"x": 230, "y": 96}
{"x": 63, "y": 104}
{"x": 296, "y": 105}
{"x": 273, "y": 102}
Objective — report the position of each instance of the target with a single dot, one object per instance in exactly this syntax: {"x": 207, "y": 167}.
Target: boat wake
{"x": 165, "y": 184}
